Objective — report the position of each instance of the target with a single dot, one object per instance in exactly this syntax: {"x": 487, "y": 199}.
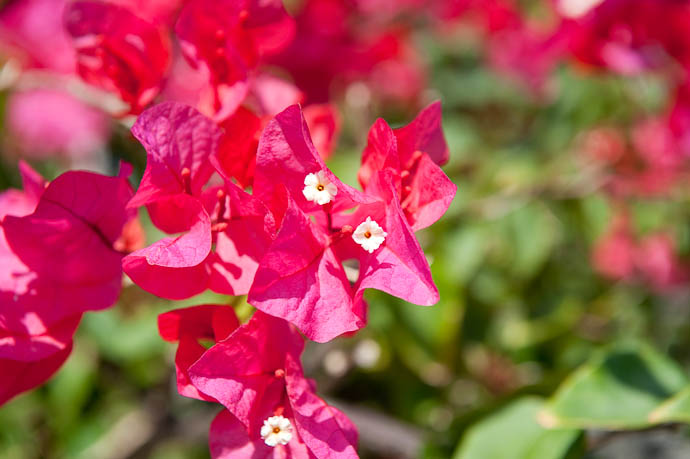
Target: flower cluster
{"x": 284, "y": 245}
{"x": 235, "y": 175}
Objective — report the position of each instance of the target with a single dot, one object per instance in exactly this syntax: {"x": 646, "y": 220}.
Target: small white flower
{"x": 369, "y": 235}
{"x": 276, "y": 430}
{"x": 318, "y": 189}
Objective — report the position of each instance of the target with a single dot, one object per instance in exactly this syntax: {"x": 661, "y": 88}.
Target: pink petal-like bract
{"x": 57, "y": 251}
{"x": 175, "y": 137}
{"x": 175, "y": 267}
{"x": 301, "y": 280}
{"x": 226, "y": 38}
{"x": 189, "y": 325}
{"x": 413, "y": 153}
{"x": 255, "y": 373}
{"x": 424, "y": 134}
{"x": 286, "y": 152}
{"x": 20, "y": 376}
{"x": 239, "y": 370}
{"x": 326, "y": 431}
{"x": 399, "y": 266}
{"x": 68, "y": 240}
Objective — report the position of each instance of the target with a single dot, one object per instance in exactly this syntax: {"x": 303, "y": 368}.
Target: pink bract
{"x": 175, "y": 137}
{"x": 254, "y": 385}
{"x": 182, "y": 151}
{"x": 57, "y": 248}
{"x": 188, "y": 326}
{"x": 22, "y": 376}
{"x": 301, "y": 280}
{"x": 413, "y": 153}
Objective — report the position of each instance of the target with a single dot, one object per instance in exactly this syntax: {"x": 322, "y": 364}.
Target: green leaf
{"x": 617, "y": 389}
{"x": 514, "y": 433}
{"x": 675, "y": 409}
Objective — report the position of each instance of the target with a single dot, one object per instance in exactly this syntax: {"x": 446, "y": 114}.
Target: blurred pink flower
{"x": 33, "y": 32}
{"x": 614, "y": 253}
{"x": 118, "y": 51}
{"x": 46, "y": 122}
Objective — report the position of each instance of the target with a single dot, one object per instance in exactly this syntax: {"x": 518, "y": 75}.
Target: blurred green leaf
{"x": 617, "y": 389}
{"x": 514, "y": 433}
{"x": 676, "y": 409}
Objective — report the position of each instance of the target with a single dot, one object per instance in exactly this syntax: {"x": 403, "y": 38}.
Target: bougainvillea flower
{"x": 301, "y": 278}
{"x": 398, "y": 267}
{"x": 652, "y": 259}
{"x": 340, "y": 43}
{"x": 413, "y": 153}
{"x": 286, "y": 151}
{"x": 68, "y": 240}
{"x": 630, "y": 36}
{"x": 180, "y": 144}
{"x": 118, "y": 51}
{"x": 59, "y": 259}
{"x": 189, "y": 326}
{"x": 257, "y": 375}
{"x": 21, "y": 376}
{"x": 658, "y": 263}
{"x": 33, "y": 32}
{"x": 227, "y": 38}
{"x": 613, "y": 255}
{"x": 46, "y": 122}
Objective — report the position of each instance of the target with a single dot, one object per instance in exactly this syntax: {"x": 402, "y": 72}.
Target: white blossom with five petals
{"x": 319, "y": 189}
{"x": 369, "y": 235}
{"x": 277, "y": 430}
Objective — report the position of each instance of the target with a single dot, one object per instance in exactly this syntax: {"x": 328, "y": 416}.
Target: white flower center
{"x": 319, "y": 189}
{"x": 277, "y": 430}
{"x": 369, "y": 235}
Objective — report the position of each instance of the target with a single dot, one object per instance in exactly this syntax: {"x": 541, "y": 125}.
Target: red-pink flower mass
{"x": 59, "y": 259}
{"x": 236, "y": 178}
{"x": 284, "y": 244}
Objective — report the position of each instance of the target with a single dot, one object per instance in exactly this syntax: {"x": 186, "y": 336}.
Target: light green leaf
{"x": 617, "y": 389}
{"x": 514, "y": 433}
{"x": 675, "y": 409}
